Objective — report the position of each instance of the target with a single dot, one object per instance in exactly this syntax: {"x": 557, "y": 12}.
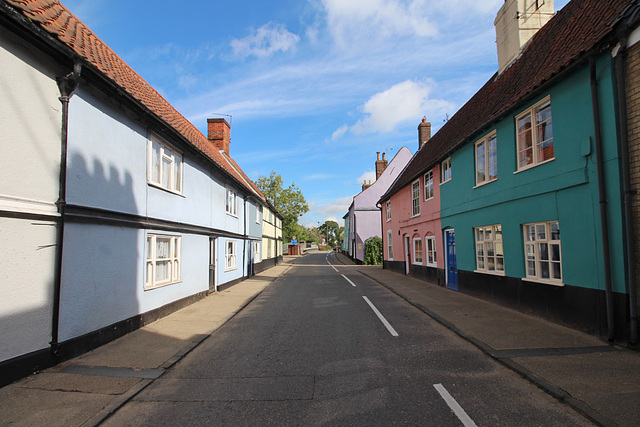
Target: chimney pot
{"x": 381, "y": 165}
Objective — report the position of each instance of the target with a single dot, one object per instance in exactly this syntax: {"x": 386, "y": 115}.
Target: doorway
{"x": 212, "y": 264}
{"x": 451, "y": 261}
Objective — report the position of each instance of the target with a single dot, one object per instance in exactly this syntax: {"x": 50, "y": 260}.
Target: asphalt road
{"x": 326, "y": 346}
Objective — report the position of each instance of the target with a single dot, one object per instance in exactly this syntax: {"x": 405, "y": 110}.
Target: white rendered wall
{"x": 29, "y": 182}
{"x": 31, "y": 123}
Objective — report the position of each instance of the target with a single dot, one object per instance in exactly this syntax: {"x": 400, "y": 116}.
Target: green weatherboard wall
{"x": 564, "y": 189}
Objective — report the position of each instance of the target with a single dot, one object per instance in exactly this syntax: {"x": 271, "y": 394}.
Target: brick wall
{"x": 632, "y": 71}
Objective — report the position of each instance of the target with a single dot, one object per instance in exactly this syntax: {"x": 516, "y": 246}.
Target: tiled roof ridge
{"x": 57, "y": 20}
{"x": 574, "y": 30}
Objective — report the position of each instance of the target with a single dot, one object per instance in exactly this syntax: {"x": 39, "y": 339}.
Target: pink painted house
{"x": 412, "y": 237}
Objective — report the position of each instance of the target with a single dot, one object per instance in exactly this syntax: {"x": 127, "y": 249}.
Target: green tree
{"x": 331, "y": 231}
{"x": 373, "y": 251}
{"x": 288, "y": 201}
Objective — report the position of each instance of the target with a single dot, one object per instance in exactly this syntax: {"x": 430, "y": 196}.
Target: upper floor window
{"x": 428, "y": 185}
{"x": 445, "y": 170}
{"x": 489, "y": 250}
{"x": 258, "y": 213}
{"x": 415, "y": 198}
{"x": 535, "y": 135}
{"x": 164, "y": 165}
{"x": 486, "y": 159}
{"x": 163, "y": 260}
{"x": 388, "y": 210}
{"x": 542, "y": 251}
{"x": 389, "y": 245}
{"x": 232, "y": 202}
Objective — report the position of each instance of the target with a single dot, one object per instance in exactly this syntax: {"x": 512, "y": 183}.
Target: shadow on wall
{"x": 102, "y": 269}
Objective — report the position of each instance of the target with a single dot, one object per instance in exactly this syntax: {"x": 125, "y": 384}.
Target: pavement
{"x": 583, "y": 371}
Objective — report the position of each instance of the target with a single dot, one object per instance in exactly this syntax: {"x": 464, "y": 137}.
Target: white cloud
{"x": 353, "y": 22}
{"x": 265, "y": 41}
{"x": 406, "y": 101}
{"x": 339, "y": 132}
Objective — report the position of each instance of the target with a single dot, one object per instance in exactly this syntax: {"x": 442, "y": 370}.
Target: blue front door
{"x": 452, "y": 266}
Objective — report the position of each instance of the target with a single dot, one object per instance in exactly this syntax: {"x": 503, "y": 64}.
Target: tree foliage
{"x": 373, "y": 251}
{"x": 289, "y": 201}
{"x": 331, "y": 231}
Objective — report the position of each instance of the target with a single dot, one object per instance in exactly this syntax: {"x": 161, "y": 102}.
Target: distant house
{"x": 363, "y": 219}
{"x": 529, "y": 174}
{"x": 114, "y": 208}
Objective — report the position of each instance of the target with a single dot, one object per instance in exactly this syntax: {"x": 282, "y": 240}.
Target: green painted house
{"x": 532, "y": 216}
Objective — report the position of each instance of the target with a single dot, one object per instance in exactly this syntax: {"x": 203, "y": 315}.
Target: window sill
{"x": 415, "y": 216}
{"x": 230, "y": 269}
{"x": 526, "y": 168}
{"x": 230, "y": 214}
{"x": 542, "y": 281}
{"x": 444, "y": 182}
{"x": 482, "y": 184}
{"x": 430, "y": 198}
{"x": 492, "y": 273}
{"x": 161, "y": 285}
{"x": 432, "y": 265}
{"x": 160, "y": 187}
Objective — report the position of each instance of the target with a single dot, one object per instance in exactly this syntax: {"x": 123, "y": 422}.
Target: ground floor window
{"x": 230, "y": 255}
{"x": 489, "y": 250}
{"x": 256, "y": 251}
{"x": 417, "y": 251}
{"x": 389, "y": 245}
{"x": 431, "y": 251}
{"x": 163, "y": 260}
{"x": 542, "y": 251}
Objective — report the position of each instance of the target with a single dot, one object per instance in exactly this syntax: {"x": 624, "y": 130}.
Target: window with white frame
{"x": 415, "y": 198}
{"x": 389, "y": 245}
{"x": 431, "y": 251}
{"x": 258, "y": 214}
{"x": 388, "y": 210}
{"x": 232, "y": 202}
{"x": 163, "y": 260}
{"x": 542, "y": 251}
{"x": 489, "y": 249}
{"x": 486, "y": 159}
{"x": 417, "y": 250}
{"x": 164, "y": 165}
{"x": 428, "y": 185}
{"x": 445, "y": 169}
{"x": 535, "y": 135}
{"x": 230, "y": 255}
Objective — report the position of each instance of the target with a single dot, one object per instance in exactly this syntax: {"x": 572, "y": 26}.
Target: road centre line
{"x": 327, "y": 258}
{"x": 347, "y": 279}
{"x": 455, "y": 407}
{"x": 381, "y": 317}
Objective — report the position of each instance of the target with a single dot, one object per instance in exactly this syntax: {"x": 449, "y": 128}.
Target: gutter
{"x": 603, "y": 200}
{"x": 67, "y": 85}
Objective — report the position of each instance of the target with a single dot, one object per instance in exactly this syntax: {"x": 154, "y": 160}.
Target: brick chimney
{"x": 366, "y": 184}
{"x": 219, "y": 134}
{"x": 516, "y": 22}
{"x": 381, "y": 165}
{"x": 424, "y": 132}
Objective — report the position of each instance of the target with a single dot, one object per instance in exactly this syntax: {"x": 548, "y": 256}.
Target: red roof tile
{"x": 60, "y": 22}
{"x": 572, "y": 32}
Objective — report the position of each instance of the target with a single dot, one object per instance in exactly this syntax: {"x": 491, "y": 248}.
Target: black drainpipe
{"x": 603, "y": 200}
{"x": 628, "y": 191}
{"x": 67, "y": 85}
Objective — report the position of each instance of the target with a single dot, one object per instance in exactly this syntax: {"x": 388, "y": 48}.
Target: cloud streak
{"x": 265, "y": 41}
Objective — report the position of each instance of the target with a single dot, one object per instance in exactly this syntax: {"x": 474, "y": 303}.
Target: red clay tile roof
{"x": 572, "y": 32}
{"x": 61, "y": 23}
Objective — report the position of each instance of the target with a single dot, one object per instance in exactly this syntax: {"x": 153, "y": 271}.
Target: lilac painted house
{"x": 364, "y": 216}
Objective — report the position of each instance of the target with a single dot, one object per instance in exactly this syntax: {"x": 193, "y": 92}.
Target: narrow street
{"x": 321, "y": 346}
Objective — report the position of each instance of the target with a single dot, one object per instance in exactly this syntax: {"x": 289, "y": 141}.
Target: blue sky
{"x": 313, "y": 88}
